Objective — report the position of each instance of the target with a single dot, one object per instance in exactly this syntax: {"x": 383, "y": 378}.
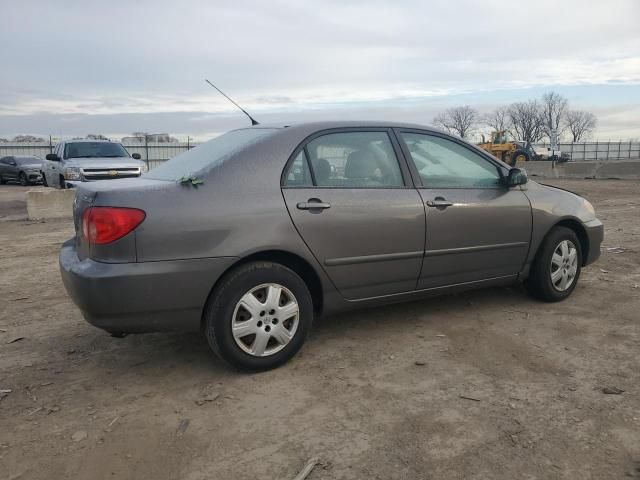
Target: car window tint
{"x": 354, "y": 160}
{"x": 443, "y": 163}
{"x": 94, "y": 150}
{"x": 206, "y": 156}
{"x": 298, "y": 174}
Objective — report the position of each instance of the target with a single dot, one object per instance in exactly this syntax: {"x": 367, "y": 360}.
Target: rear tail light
{"x": 102, "y": 225}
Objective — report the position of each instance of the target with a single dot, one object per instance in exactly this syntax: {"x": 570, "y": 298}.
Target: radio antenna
{"x": 253, "y": 121}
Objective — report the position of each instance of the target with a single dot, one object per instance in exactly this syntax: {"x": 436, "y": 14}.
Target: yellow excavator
{"x": 509, "y": 151}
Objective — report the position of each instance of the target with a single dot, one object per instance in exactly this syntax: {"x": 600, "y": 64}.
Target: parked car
{"x": 253, "y": 234}
{"x": 77, "y": 161}
{"x": 27, "y": 170}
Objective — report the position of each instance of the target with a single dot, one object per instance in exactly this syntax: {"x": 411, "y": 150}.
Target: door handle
{"x": 313, "y": 204}
{"x": 439, "y": 202}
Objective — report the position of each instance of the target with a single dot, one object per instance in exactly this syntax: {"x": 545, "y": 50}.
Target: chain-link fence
{"x": 155, "y": 153}
{"x": 599, "y": 151}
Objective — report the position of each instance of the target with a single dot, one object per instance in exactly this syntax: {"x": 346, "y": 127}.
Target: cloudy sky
{"x": 76, "y": 67}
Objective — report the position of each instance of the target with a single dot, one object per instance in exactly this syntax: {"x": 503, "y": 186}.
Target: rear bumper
{"x": 595, "y": 235}
{"x": 140, "y": 297}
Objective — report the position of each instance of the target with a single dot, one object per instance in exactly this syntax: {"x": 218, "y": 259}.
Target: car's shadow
{"x": 161, "y": 353}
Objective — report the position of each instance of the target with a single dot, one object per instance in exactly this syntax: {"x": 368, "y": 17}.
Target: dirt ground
{"x": 510, "y": 388}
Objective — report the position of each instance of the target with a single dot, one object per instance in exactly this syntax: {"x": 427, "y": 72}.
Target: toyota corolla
{"x": 252, "y": 235}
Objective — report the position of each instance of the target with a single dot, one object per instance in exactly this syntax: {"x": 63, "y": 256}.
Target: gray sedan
{"x": 252, "y": 235}
{"x": 26, "y": 170}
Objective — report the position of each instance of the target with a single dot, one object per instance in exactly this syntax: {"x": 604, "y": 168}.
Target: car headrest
{"x": 322, "y": 170}
{"x": 360, "y": 164}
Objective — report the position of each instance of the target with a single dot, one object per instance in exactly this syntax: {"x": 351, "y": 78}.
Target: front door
{"x": 352, "y": 201}
{"x": 477, "y": 228}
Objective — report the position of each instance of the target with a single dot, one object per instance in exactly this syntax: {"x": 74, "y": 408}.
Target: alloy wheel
{"x": 265, "y": 319}
{"x": 564, "y": 265}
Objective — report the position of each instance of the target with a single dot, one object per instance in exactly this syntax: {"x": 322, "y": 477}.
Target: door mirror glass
{"x": 517, "y": 176}
{"x": 53, "y": 157}
{"x": 136, "y": 156}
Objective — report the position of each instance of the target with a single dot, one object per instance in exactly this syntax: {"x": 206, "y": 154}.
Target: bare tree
{"x": 580, "y": 124}
{"x": 498, "y": 119}
{"x": 554, "y": 107}
{"x": 526, "y": 120}
{"x": 461, "y": 121}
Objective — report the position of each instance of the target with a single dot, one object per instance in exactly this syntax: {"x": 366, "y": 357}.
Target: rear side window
{"x": 352, "y": 160}
{"x": 209, "y": 154}
{"x": 443, "y": 163}
{"x": 299, "y": 174}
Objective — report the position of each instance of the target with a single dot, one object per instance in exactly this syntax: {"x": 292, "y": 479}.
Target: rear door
{"x": 10, "y": 169}
{"x": 4, "y": 167}
{"x": 477, "y": 228}
{"x": 351, "y": 199}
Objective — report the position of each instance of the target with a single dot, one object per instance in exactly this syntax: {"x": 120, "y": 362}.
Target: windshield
{"x": 28, "y": 160}
{"x": 94, "y": 150}
{"x": 209, "y": 154}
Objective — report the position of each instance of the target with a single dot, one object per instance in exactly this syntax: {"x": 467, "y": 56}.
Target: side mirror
{"x": 53, "y": 157}
{"x": 137, "y": 156}
{"x": 517, "y": 176}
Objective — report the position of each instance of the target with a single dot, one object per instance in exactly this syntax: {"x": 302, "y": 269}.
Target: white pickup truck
{"x": 76, "y": 161}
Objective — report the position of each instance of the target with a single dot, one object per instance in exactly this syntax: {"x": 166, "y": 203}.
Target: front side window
{"x": 354, "y": 160}
{"x": 94, "y": 150}
{"x": 444, "y": 163}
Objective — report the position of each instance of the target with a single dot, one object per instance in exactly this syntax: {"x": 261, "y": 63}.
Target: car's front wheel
{"x": 259, "y": 316}
{"x": 556, "y": 268}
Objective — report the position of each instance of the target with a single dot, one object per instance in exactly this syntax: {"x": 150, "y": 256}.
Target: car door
{"x": 350, "y": 197}
{"x": 54, "y": 169}
{"x": 477, "y": 227}
{"x": 3, "y": 167}
{"x": 10, "y": 169}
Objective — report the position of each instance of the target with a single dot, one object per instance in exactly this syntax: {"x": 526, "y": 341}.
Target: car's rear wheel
{"x": 44, "y": 180}
{"x": 2, "y": 180}
{"x": 63, "y": 183}
{"x": 556, "y": 268}
{"x": 259, "y": 316}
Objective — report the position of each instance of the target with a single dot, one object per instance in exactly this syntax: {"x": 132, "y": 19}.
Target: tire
{"x": 2, "y": 180}
{"x": 24, "y": 181}
{"x": 252, "y": 283}
{"x": 62, "y": 182}
{"x": 519, "y": 155}
{"x": 44, "y": 180}
{"x": 540, "y": 283}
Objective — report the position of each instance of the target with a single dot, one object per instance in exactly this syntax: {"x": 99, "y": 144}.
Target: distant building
{"x": 139, "y": 137}
{"x": 27, "y": 138}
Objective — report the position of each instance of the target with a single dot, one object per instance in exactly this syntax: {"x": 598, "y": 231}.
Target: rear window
{"x": 209, "y": 154}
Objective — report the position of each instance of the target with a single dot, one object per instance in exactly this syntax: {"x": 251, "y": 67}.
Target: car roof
{"x": 329, "y": 124}
{"x": 87, "y": 140}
